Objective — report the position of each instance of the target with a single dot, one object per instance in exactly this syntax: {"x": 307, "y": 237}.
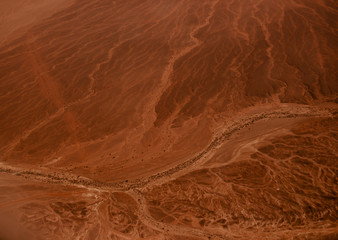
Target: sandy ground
{"x": 266, "y": 171}
{"x": 18, "y": 15}
{"x": 158, "y": 119}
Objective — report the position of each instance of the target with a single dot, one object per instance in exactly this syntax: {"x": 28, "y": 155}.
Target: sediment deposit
{"x": 168, "y": 119}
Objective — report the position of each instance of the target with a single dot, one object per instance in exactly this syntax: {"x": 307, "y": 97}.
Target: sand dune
{"x": 164, "y": 119}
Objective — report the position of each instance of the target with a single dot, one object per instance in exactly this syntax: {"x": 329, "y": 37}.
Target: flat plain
{"x": 168, "y": 119}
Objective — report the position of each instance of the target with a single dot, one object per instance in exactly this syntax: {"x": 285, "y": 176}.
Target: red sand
{"x": 169, "y": 119}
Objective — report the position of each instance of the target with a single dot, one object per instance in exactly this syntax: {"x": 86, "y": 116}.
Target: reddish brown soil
{"x": 168, "y": 119}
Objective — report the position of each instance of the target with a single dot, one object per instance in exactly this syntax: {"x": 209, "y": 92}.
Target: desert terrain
{"x": 168, "y": 119}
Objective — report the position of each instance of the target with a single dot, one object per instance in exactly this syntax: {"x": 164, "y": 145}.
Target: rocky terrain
{"x": 158, "y": 119}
